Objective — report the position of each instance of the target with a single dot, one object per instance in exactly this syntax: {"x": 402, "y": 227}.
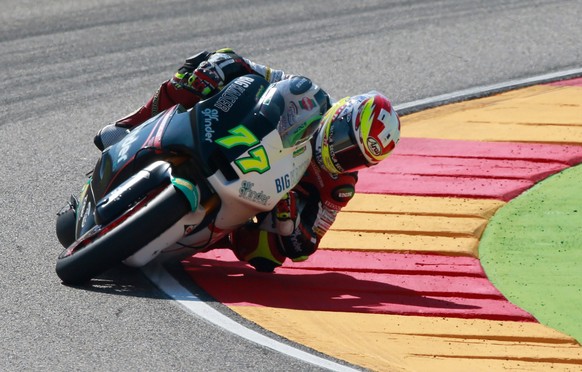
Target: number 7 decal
{"x": 241, "y": 135}
{"x": 258, "y": 161}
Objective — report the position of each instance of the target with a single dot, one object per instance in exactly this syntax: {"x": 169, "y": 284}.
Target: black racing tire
{"x": 123, "y": 240}
{"x": 65, "y": 227}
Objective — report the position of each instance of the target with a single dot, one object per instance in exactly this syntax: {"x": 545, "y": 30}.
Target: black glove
{"x": 205, "y": 80}
{"x": 206, "y": 73}
{"x": 231, "y": 64}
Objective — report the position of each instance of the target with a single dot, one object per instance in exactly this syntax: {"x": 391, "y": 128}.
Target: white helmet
{"x": 357, "y": 132}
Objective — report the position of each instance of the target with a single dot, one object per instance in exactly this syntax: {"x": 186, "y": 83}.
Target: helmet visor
{"x": 345, "y": 152}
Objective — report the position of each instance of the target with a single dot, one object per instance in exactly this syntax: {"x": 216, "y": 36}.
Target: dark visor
{"x": 348, "y": 156}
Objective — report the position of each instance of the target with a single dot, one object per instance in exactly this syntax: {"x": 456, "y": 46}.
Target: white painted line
{"x": 486, "y": 89}
{"x": 166, "y": 282}
{"x": 163, "y": 280}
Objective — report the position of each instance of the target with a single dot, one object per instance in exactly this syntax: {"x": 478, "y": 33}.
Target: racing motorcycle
{"x": 187, "y": 178}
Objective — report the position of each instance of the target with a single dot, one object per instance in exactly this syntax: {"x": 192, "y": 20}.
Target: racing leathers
{"x": 305, "y": 214}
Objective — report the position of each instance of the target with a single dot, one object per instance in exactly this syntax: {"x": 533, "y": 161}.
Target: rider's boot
{"x": 261, "y": 249}
{"x": 109, "y": 135}
{"x": 168, "y": 95}
{"x": 177, "y": 90}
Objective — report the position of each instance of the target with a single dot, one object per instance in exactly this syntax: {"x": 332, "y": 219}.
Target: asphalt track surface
{"x": 69, "y": 67}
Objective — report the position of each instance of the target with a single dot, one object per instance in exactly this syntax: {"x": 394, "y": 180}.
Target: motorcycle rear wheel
{"x": 123, "y": 240}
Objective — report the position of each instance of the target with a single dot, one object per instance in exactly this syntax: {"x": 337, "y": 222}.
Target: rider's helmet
{"x": 357, "y": 132}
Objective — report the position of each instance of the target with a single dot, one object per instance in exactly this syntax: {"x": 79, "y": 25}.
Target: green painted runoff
{"x": 531, "y": 251}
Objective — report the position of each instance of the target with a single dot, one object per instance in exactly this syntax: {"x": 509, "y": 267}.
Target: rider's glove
{"x": 205, "y": 80}
{"x": 286, "y": 214}
{"x": 206, "y": 73}
{"x": 231, "y": 64}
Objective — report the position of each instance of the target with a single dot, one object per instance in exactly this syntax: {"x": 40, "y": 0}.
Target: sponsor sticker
{"x": 210, "y": 116}
{"x": 343, "y": 193}
{"x": 246, "y": 192}
{"x": 232, "y": 93}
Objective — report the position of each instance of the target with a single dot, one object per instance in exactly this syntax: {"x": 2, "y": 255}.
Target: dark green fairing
{"x": 185, "y": 139}
{"x": 213, "y": 118}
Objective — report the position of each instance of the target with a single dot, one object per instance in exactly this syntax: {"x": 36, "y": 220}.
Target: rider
{"x": 354, "y": 132}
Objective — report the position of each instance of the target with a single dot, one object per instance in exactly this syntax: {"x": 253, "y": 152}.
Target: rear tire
{"x": 151, "y": 221}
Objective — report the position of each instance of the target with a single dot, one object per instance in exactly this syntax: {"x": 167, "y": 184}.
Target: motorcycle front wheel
{"x": 121, "y": 238}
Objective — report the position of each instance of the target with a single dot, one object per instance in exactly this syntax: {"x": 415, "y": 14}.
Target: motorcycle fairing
{"x": 236, "y": 104}
{"x": 224, "y": 138}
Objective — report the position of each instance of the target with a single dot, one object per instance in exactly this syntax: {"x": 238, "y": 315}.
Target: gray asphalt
{"x": 69, "y": 67}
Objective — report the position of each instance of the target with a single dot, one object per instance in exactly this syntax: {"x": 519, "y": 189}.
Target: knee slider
{"x": 257, "y": 247}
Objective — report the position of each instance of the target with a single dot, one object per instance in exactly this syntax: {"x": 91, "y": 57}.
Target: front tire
{"x": 123, "y": 240}
{"x": 65, "y": 226}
